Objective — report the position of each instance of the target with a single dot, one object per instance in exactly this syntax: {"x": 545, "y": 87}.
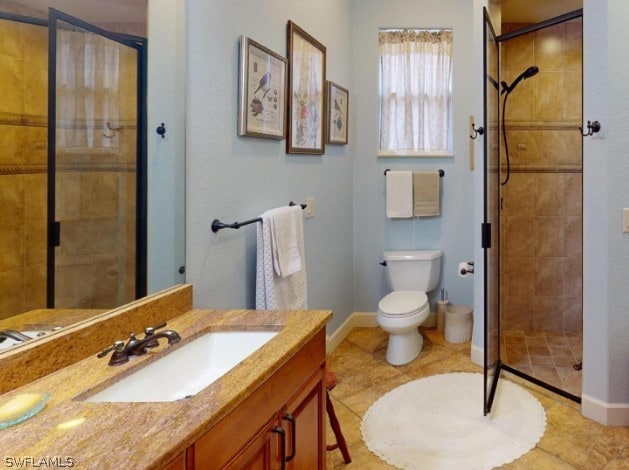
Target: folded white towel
{"x": 285, "y": 222}
{"x": 399, "y": 194}
{"x": 272, "y": 291}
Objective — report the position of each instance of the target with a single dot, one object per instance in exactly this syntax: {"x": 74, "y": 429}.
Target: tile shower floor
{"x": 569, "y": 442}
{"x": 545, "y": 355}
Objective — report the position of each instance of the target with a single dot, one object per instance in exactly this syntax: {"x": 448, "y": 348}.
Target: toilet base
{"x": 404, "y": 347}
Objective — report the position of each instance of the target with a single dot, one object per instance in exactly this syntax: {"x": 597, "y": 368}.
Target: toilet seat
{"x": 400, "y": 304}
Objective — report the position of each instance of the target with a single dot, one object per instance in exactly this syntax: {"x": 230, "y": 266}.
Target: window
{"x": 415, "y": 92}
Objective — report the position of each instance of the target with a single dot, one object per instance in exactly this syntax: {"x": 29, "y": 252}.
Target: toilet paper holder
{"x": 466, "y": 267}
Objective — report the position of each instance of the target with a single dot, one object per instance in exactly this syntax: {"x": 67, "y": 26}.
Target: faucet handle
{"x": 150, "y": 331}
{"x": 118, "y": 346}
{"x": 118, "y": 357}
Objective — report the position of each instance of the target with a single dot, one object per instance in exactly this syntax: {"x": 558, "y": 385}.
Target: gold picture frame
{"x": 306, "y": 93}
{"x": 261, "y": 91}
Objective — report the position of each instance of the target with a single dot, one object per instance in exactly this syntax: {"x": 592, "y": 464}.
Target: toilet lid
{"x": 402, "y": 303}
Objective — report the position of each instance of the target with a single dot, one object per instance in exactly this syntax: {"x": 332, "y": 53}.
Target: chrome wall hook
{"x": 477, "y": 132}
{"x": 593, "y": 128}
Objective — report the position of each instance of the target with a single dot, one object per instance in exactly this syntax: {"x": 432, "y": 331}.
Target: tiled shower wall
{"x": 541, "y": 220}
{"x": 23, "y": 167}
{"x": 100, "y": 189}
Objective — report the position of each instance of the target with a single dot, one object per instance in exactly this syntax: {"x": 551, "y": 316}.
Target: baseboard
{"x": 355, "y": 320}
{"x": 609, "y": 414}
{"x": 477, "y": 355}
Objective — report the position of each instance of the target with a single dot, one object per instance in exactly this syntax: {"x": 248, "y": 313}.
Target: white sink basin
{"x": 188, "y": 370}
{"x": 7, "y": 343}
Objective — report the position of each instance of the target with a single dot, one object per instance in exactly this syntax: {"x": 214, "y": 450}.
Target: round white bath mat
{"x": 437, "y": 423}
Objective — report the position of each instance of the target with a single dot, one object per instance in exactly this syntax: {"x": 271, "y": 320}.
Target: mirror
{"x": 87, "y": 251}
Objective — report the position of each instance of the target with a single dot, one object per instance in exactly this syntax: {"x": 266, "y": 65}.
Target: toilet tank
{"x": 413, "y": 270}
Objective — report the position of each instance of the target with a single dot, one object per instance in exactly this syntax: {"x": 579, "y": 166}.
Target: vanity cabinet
{"x": 283, "y": 419}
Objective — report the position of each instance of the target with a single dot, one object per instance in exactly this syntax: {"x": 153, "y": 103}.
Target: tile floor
{"x": 569, "y": 442}
{"x": 546, "y": 355}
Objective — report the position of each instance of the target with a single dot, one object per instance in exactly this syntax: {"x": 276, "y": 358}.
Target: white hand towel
{"x": 285, "y": 224}
{"x": 399, "y": 194}
{"x": 272, "y": 291}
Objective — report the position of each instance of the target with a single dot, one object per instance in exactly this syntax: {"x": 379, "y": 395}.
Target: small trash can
{"x": 458, "y": 324}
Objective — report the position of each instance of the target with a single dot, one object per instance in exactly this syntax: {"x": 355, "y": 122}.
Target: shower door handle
{"x": 55, "y": 233}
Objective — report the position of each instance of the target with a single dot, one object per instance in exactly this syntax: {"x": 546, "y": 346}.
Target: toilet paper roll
{"x": 464, "y": 268}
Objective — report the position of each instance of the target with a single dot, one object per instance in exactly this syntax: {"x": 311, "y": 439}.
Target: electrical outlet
{"x": 625, "y": 220}
{"x": 309, "y": 207}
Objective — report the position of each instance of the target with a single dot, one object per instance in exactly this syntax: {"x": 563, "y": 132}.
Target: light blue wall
{"x": 451, "y": 232}
{"x": 605, "y": 193}
{"x": 236, "y": 178}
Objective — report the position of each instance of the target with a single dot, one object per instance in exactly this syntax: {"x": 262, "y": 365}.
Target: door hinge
{"x": 485, "y": 235}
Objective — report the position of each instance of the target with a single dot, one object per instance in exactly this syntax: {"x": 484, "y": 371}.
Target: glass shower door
{"x": 491, "y": 223}
{"x": 96, "y": 215}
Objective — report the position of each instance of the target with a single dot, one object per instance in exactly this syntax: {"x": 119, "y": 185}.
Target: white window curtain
{"x": 88, "y": 85}
{"x": 416, "y": 91}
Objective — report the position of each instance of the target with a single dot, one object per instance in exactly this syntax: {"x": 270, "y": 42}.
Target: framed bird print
{"x": 306, "y": 92}
{"x": 337, "y": 113}
{"x": 262, "y": 91}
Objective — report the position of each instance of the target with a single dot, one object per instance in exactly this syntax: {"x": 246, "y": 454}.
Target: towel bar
{"x": 218, "y": 225}
{"x": 441, "y": 172}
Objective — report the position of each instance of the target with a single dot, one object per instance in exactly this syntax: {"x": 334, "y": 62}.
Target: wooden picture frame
{"x": 337, "y": 106}
{"x": 261, "y": 91}
{"x": 306, "y": 93}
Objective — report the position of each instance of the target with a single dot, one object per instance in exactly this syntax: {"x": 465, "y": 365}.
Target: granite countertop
{"x": 147, "y": 435}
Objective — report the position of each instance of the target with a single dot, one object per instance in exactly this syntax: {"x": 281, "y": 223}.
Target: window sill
{"x": 407, "y": 154}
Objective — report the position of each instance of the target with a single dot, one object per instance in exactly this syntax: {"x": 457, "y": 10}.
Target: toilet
{"x": 410, "y": 274}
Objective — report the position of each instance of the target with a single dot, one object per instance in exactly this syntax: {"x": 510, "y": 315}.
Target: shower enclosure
{"x": 538, "y": 323}
{"x": 72, "y": 171}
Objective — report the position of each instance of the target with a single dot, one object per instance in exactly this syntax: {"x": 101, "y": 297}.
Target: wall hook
{"x": 593, "y": 128}
{"x": 161, "y": 130}
{"x": 477, "y": 132}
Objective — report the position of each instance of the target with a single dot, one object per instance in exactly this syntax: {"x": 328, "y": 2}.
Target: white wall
{"x": 236, "y": 178}
{"x": 453, "y": 231}
{"x": 605, "y": 193}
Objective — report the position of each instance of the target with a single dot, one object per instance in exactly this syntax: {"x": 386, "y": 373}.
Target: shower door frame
{"x": 140, "y": 45}
{"x": 501, "y": 38}
{"x": 492, "y": 364}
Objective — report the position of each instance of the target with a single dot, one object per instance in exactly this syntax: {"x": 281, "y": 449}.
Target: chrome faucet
{"x": 138, "y": 347}
{"x": 16, "y": 335}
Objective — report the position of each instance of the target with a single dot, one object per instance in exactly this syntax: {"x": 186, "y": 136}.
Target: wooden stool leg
{"x": 336, "y": 427}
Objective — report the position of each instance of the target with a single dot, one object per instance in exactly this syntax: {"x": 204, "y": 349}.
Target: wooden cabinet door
{"x": 262, "y": 452}
{"x": 304, "y": 421}
{"x": 178, "y": 464}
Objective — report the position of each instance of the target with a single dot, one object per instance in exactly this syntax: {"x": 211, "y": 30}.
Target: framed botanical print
{"x": 306, "y": 93}
{"x": 337, "y": 99}
{"x": 262, "y": 91}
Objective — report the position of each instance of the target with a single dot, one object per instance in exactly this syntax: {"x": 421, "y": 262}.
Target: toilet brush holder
{"x": 442, "y": 305}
